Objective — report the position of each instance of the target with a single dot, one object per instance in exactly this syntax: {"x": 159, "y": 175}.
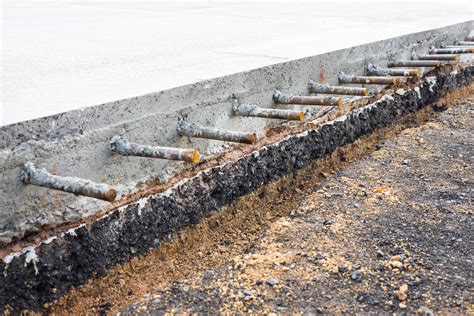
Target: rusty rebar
{"x": 343, "y": 78}
{"x": 255, "y": 111}
{"x": 435, "y": 57}
{"x": 468, "y": 43}
{"x": 197, "y": 130}
{"x": 125, "y": 148}
{"x": 33, "y": 174}
{"x": 456, "y": 46}
{"x": 415, "y": 63}
{"x": 283, "y": 98}
{"x": 315, "y": 87}
{"x": 451, "y": 51}
{"x": 373, "y": 70}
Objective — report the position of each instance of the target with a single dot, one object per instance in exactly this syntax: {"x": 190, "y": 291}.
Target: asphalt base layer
{"x": 390, "y": 233}
{"x": 34, "y": 278}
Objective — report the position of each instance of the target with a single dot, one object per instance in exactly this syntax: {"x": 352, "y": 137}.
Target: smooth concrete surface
{"x": 76, "y": 143}
{"x": 63, "y": 55}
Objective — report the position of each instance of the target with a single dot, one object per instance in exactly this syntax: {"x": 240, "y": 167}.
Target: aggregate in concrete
{"x": 41, "y": 274}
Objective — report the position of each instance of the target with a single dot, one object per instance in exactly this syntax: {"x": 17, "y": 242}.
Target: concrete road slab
{"x": 63, "y": 55}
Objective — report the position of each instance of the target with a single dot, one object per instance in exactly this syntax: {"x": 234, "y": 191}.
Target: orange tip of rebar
{"x": 196, "y": 156}
{"x": 366, "y": 92}
{"x": 339, "y": 102}
{"x": 417, "y": 73}
{"x": 471, "y": 50}
{"x": 455, "y": 57}
{"x": 111, "y": 195}
{"x": 301, "y": 116}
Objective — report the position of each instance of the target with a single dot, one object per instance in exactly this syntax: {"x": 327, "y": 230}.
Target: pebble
{"x": 328, "y": 222}
{"x": 272, "y": 282}
{"x": 402, "y": 292}
{"x": 356, "y": 276}
{"x": 342, "y": 269}
{"x": 396, "y": 264}
{"x": 405, "y": 162}
{"x": 319, "y": 257}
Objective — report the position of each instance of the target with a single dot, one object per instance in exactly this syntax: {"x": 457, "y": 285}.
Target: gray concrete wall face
{"x": 75, "y": 143}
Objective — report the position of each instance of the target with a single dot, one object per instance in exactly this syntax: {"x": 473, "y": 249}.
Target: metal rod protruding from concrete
{"x": 33, "y": 174}
{"x": 125, "y": 148}
{"x": 415, "y": 56}
{"x": 284, "y": 98}
{"x": 315, "y": 87}
{"x": 451, "y": 51}
{"x": 373, "y": 70}
{"x": 467, "y": 43}
{"x": 456, "y": 46}
{"x": 255, "y": 111}
{"x": 415, "y": 63}
{"x": 196, "y": 130}
{"x": 469, "y": 38}
{"x": 343, "y": 78}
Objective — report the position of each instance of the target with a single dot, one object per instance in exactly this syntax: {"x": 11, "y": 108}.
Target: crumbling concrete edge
{"x": 41, "y": 274}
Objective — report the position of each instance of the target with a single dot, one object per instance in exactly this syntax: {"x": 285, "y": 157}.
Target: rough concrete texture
{"x": 75, "y": 143}
{"x": 38, "y": 275}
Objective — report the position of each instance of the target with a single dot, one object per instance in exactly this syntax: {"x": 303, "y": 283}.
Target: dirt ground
{"x": 383, "y": 225}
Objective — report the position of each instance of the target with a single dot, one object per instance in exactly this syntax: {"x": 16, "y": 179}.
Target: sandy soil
{"x": 383, "y": 225}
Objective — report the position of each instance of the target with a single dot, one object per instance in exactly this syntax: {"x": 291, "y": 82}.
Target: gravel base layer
{"x": 391, "y": 232}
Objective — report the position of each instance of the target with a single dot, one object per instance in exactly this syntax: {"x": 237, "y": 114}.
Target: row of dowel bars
{"x": 437, "y": 57}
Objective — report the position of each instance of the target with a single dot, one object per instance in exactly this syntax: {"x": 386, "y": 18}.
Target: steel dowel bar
{"x": 283, "y": 98}
{"x": 125, "y": 148}
{"x": 343, "y": 78}
{"x": 451, "y": 51}
{"x": 315, "y": 87}
{"x": 373, "y": 70}
{"x": 33, "y": 174}
{"x": 255, "y": 111}
{"x": 435, "y": 57}
{"x": 199, "y": 131}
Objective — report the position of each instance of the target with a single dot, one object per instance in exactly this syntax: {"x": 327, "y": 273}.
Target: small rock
{"x": 425, "y": 311}
{"x": 328, "y": 222}
{"x": 400, "y": 91}
{"x": 342, "y": 269}
{"x": 402, "y": 292}
{"x": 272, "y": 282}
{"x": 356, "y": 276}
{"x": 405, "y": 162}
{"x": 319, "y": 257}
{"x": 402, "y": 305}
{"x": 247, "y": 293}
{"x": 395, "y": 265}
{"x": 429, "y": 266}
{"x": 356, "y": 266}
